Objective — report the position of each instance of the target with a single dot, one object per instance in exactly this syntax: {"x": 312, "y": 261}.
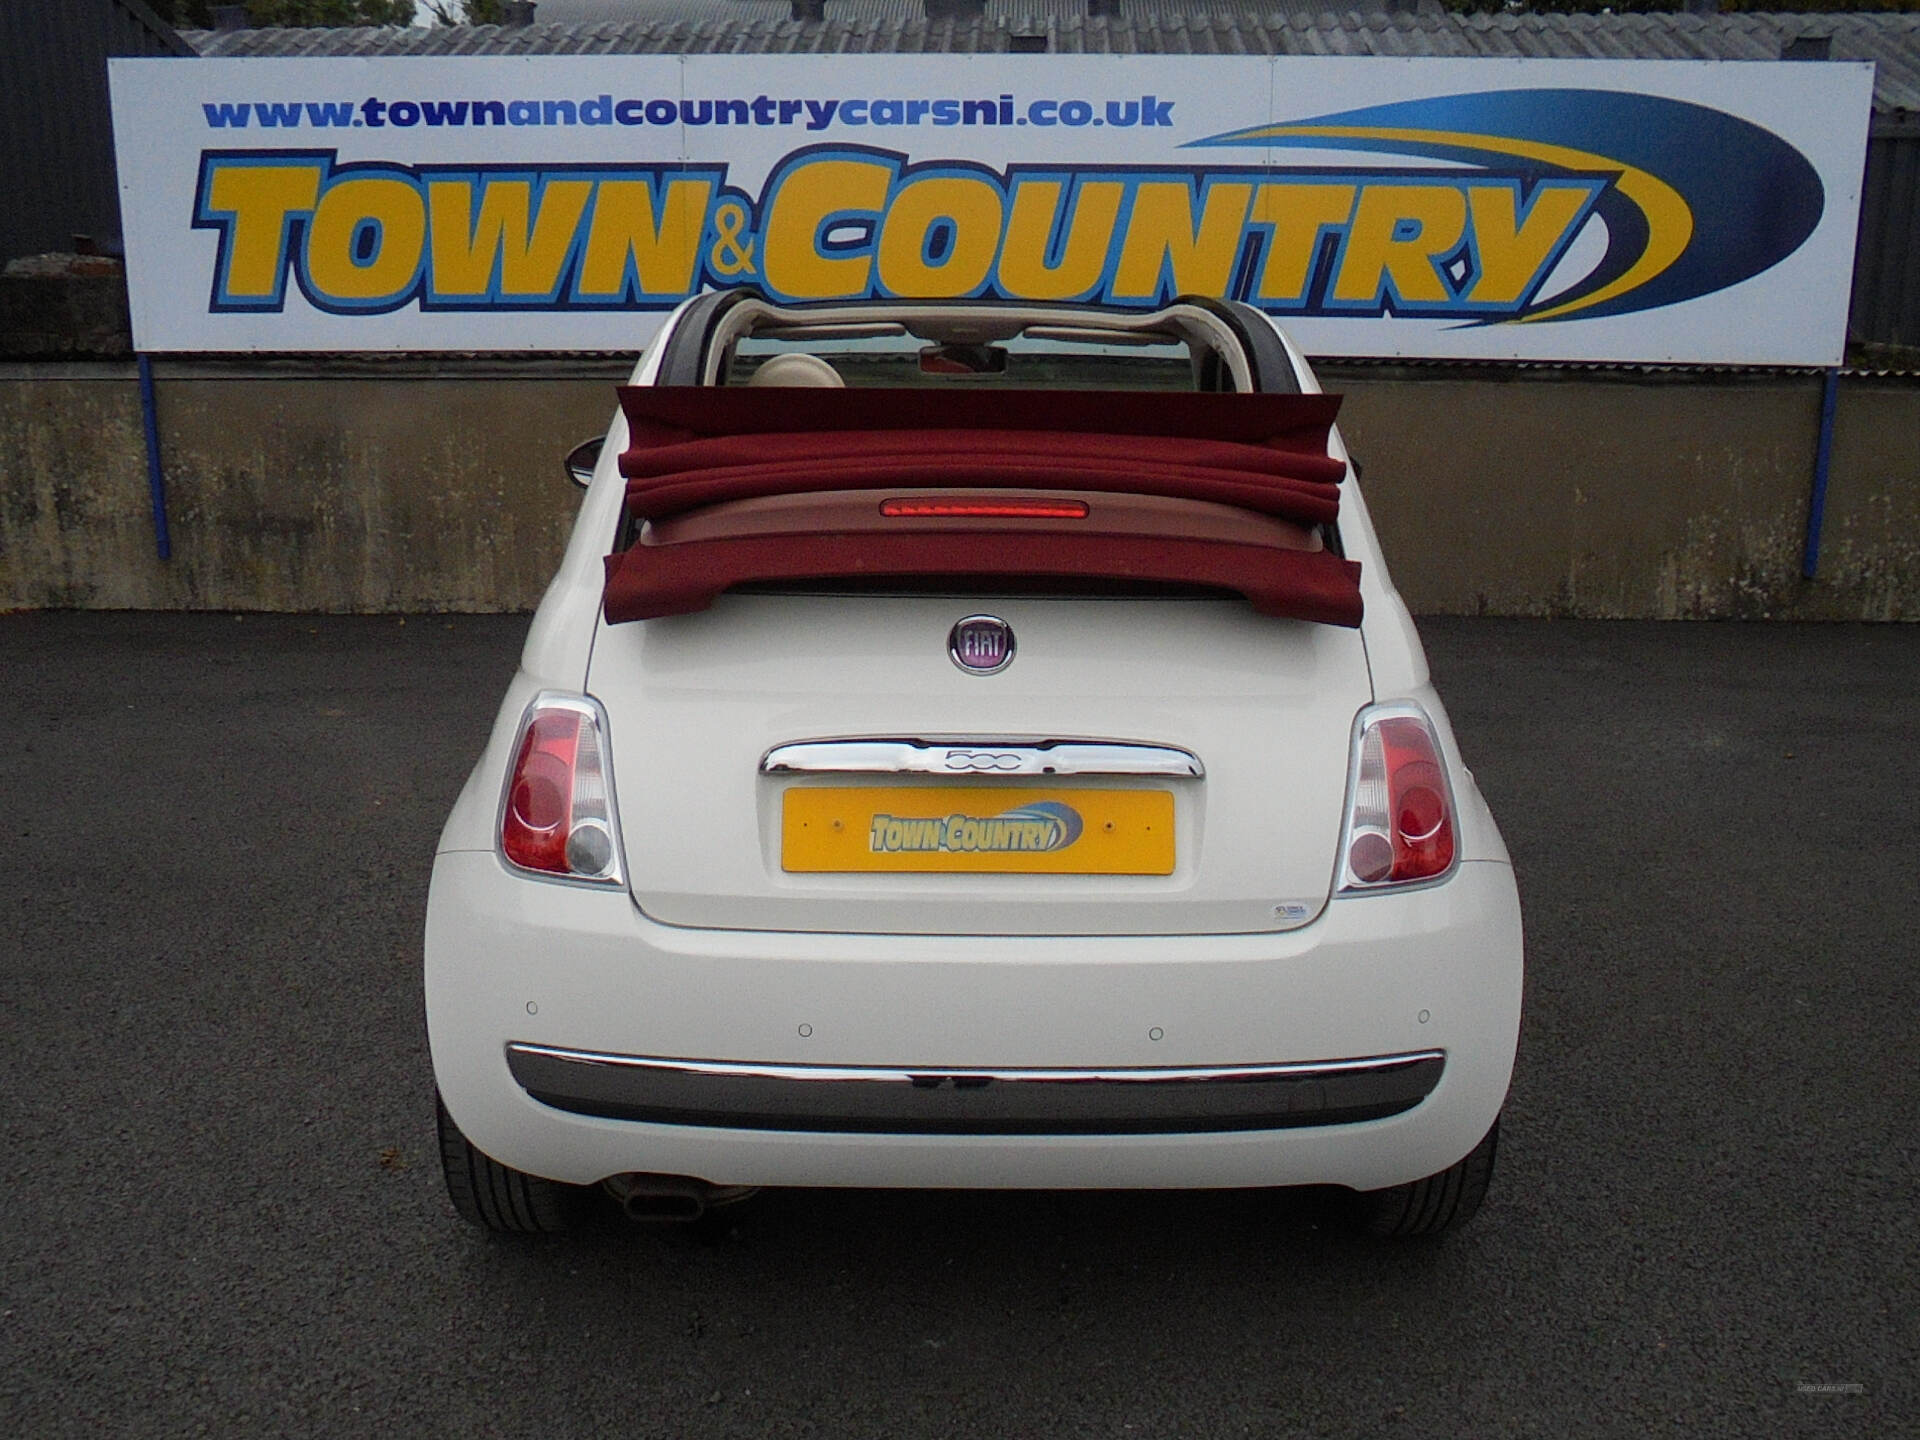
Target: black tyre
{"x": 499, "y": 1198}
{"x": 1435, "y": 1204}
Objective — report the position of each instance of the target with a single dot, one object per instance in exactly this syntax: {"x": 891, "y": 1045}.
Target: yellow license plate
{"x": 977, "y": 829}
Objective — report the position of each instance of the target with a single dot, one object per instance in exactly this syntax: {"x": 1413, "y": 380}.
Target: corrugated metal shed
{"x": 601, "y": 12}
{"x": 1143, "y": 27}
{"x": 56, "y": 162}
{"x": 870, "y": 12}
{"x": 1886, "y": 266}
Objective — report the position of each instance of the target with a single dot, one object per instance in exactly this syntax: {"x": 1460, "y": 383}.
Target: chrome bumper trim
{"x": 881, "y": 1100}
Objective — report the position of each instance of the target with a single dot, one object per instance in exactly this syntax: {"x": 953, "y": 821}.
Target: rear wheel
{"x": 1435, "y": 1204}
{"x": 499, "y": 1198}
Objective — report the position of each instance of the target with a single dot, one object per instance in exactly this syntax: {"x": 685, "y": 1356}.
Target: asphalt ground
{"x": 222, "y": 1213}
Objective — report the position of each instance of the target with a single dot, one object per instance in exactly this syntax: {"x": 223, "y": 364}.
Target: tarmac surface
{"x": 223, "y": 1215}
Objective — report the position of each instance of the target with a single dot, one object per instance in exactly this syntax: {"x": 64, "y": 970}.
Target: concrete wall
{"x": 381, "y": 486}
{"x": 356, "y": 492}
{"x": 1613, "y": 494}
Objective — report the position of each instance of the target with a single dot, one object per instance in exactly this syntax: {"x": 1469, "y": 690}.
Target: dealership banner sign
{"x": 1640, "y": 211}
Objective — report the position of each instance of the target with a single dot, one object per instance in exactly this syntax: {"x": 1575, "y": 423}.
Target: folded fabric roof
{"x": 708, "y": 449}
{"x": 694, "y": 446}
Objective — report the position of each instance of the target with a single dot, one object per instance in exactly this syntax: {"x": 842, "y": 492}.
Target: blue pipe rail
{"x": 1822, "y": 459}
{"x": 156, "y": 478}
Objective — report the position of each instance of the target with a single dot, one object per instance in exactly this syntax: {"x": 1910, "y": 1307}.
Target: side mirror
{"x": 582, "y": 458}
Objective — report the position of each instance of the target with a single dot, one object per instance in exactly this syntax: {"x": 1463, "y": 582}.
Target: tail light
{"x": 985, "y": 509}
{"x": 557, "y": 815}
{"x": 1400, "y": 814}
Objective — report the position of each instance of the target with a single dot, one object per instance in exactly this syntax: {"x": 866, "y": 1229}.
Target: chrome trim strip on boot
{"x": 981, "y": 757}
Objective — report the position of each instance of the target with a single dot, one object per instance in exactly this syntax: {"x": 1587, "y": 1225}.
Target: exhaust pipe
{"x": 671, "y": 1199}
{"x": 664, "y": 1204}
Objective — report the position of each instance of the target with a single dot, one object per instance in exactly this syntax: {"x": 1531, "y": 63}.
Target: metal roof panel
{"x": 1145, "y": 27}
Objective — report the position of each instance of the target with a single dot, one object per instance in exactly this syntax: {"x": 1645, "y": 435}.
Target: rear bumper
{"x": 583, "y": 979}
{"x": 886, "y": 1101}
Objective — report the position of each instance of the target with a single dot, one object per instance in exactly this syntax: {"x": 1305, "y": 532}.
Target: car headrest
{"x": 804, "y": 371}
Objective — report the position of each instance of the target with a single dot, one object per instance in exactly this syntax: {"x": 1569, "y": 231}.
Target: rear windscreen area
{"x": 1023, "y": 362}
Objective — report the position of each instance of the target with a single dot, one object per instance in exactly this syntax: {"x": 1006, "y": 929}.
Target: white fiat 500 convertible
{"x": 970, "y": 746}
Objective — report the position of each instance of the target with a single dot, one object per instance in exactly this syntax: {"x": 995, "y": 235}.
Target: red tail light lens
{"x": 1400, "y": 818}
{"x": 556, "y": 817}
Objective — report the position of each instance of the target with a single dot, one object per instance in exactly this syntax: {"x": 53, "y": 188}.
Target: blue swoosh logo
{"x": 1696, "y": 200}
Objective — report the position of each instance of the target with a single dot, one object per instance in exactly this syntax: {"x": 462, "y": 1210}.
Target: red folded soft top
{"x": 717, "y": 451}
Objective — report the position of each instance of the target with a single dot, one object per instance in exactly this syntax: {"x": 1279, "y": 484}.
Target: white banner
{"x": 1640, "y": 211}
